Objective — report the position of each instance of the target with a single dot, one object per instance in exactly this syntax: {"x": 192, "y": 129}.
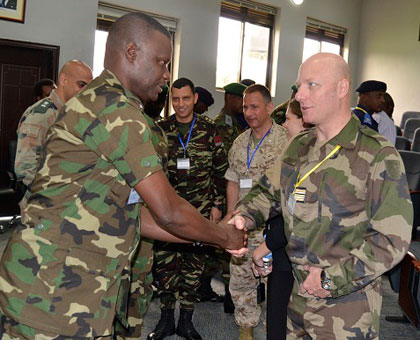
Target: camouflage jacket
{"x": 355, "y": 220}
{"x": 31, "y": 133}
{"x": 228, "y": 129}
{"x": 204, "y": 183}
{"x": 62, "y": 269}
{"x": 159, "y": 141}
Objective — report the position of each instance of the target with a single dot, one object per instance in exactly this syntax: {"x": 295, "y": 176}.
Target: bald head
{"x": 324, "y": 90}
{"x": 73, "y": 77}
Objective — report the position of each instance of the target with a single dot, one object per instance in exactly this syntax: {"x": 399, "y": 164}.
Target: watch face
{"x": 326, "y": 284}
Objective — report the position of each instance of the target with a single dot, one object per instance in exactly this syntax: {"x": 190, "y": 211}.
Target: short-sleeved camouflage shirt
{"x": 61, "y": 271}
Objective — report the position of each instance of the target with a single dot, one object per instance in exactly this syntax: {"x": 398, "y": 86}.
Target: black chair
{"x": 415, "y": 145}
{"x": 408, "y": 115}
{"x": 399, "y": 131}
{"x": 411, "y": 125}
{"x": 402, "y": 143}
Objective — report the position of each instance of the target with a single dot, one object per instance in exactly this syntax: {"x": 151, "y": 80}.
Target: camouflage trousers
{"x": 178, "y": 274}
{"x": 140, "y": 293}
{"x": 352, "y": 316}
{"x": 13, "y": 330}
{"x": 243, "y": 285}
{"x": 218, "y": 259}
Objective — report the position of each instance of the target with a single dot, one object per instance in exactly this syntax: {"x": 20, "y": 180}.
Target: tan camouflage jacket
{"x": 31, "y": 132}
{"x": 356, "y": 216}
{"x": 62, "y": 269}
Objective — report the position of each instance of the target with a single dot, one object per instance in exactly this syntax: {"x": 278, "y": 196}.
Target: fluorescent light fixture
{"x": 297, "y": 2}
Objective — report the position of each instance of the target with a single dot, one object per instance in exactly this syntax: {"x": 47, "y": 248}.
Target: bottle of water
{"x": 267, "y": 259}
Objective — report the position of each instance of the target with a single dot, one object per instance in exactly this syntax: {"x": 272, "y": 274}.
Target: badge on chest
{"x": 183, "y": 163}
{"x": 245, "y": 183}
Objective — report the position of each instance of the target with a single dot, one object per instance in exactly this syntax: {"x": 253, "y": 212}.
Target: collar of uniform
{"x": 360, "y": 106}
{"x": 113, "y": 80}
{"x": 56, "y": 100}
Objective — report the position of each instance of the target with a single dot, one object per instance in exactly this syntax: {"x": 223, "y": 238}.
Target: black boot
{"x": 205, "y": 291}
{"x": 228, "y": 305}
{"x": 165, "y": 326}
{"x": 185, "y": 326}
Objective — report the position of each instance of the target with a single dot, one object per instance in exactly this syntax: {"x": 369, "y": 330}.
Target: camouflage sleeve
{"x": 31, "y": 136}
{"x": 219, "y": 168}
{"x": 263, "y": 200}
{"x": 122, "y": 135}
{"x": 231, "y": 174}
{"x": 387, "y": 236}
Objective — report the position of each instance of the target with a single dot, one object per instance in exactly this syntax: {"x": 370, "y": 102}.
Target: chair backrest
{"x": 411, "y": 125}
{"x": 407, "y": 115}
{"x": 399, "y": 131}
{"x": 12, "y": 155}
{"x": 402, "y": 143}
{"x": 415, "y": 145}
{"x": 411, "y": 161}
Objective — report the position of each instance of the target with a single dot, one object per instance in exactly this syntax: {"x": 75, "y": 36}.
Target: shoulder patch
{"x": 44, "y": 106}
{"x": 393, "y": 168}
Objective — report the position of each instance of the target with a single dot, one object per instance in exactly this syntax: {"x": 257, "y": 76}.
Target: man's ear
{"x": 62, "y": 79}
{"x": 195, "y": 98}
{"x": 270, "y": 107}
{"x": 343, "y": 87}
{"x": 130, "y": 52}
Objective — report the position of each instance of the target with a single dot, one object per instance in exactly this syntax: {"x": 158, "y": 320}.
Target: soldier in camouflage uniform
{"x": 252, "y": 153}
{"x": 197, "y": 163}
{"x": 64, "y": 271}
{"x": 141, "y": 292}
{"x": 36, "y": 120}
{"x": 339, "y": 217}
{"x": 279, "y": 113}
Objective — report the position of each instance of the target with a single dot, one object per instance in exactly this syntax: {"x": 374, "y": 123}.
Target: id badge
{"x": 291, "y": 202}
{"x": 183, "y": 163}
{"x": 134, "y": 197}
{"x": 245, "y": 183}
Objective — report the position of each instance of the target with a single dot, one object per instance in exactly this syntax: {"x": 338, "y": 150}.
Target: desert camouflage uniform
{"x": 66, "y": 270}
{"x": 243, "y": 284}
{"x": 179, "y": 267}
{"x": 355, "y": 223}
{"x": 141, "y": 292}
{"x": 31, "y": 133}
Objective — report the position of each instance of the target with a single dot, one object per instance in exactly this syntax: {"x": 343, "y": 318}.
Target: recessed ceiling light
{"x": 297, "y": 2}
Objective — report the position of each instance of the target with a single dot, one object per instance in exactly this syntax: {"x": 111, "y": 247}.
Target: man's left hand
{"x": 312, "y": 284}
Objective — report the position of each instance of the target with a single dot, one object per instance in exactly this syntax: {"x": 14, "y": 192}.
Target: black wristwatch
{"x": 219, "y": 206}
{"x": 325, "y": 281}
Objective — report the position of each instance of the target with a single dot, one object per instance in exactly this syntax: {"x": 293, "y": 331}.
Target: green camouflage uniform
{"x": 179, "y": 267}
{"x": 141, "y": 292}
{"x": 279, "y": 113}
{"x": 243, "y": 284}
{"x": 66, "y": 270}
{"x": 31, "y": 133}
{"x": 355, "y": 223}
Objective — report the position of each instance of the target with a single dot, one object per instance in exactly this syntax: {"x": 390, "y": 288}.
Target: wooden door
{"x": 21, "y": 65}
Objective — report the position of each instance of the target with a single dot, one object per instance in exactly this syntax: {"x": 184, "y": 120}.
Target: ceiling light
{"x": 297, "y": 2}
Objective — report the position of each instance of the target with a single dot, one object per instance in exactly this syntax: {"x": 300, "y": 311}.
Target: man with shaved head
{"x": 36, "y": 120}
{"x": 341, "y": 188}
{"x": 66, "y": 271}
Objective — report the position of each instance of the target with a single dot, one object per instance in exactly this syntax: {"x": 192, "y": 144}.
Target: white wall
{"x": 390, "y": 50}
{"x": 69, "y": 24}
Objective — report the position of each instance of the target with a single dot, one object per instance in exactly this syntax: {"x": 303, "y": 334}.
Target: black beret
{"x": 235, "y": 88}
{"x": 204, "y": 96}
{"x": 371, "y": 85}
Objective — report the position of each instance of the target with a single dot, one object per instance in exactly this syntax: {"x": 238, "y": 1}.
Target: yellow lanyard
{"x": 338, "y": 147}
{"x": 359, "y": 108}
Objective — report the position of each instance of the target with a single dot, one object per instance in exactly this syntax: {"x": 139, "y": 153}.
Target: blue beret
{"x": 235, "y": 88}
{"x": 371, "y": 86}
{"x": 204, "y": 96}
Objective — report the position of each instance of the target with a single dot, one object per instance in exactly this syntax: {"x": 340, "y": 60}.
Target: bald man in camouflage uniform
{"x": 261, "y": 146}
{"x": 65, "y": 271}
{"x": 36, "y": 120}
{"x": 340, "y": 220}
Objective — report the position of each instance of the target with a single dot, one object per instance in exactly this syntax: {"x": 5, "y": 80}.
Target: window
{"x": 107, "y": 14}
{"x": 322, "y": 37}
{"x": 245, "y": 42}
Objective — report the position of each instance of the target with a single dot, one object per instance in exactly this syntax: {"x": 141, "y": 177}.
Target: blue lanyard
{"x": 185, "y": 146}
{"x": 248, "y": 161}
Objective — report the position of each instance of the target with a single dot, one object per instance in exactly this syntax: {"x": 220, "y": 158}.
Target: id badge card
{"x": 134, "y": 197}
{"x": 183, "y": 163}
{"x": 245, "y": 183}
{"x": 291, "y": 203}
